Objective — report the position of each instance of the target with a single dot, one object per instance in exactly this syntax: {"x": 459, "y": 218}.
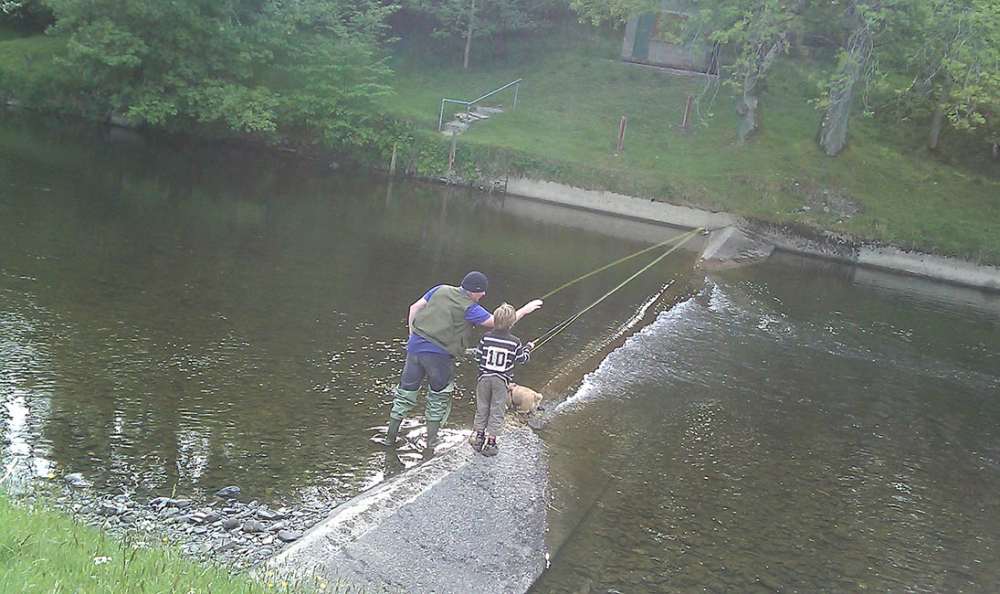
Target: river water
{"x": 178, "y": 317}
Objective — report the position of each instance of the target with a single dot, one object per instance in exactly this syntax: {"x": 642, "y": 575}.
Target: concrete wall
{"x": 820, "y": 244}
{"x": 620, "y": 204}
{"x": 628, "y": 44}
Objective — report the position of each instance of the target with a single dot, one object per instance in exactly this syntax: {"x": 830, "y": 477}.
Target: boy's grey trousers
{"x": 491, "y": 403}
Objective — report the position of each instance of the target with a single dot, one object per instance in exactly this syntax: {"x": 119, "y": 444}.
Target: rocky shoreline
{"x": 221, "y": 529}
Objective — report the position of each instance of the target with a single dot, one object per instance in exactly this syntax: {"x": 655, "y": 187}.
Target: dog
{"x": 524, "y": 399}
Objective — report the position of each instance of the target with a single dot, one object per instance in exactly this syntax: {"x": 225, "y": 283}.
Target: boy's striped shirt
{"x": 498, "y": 352}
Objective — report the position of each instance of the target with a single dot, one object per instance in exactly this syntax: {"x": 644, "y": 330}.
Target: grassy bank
{"x": 45, "y": 552}
{"x": 575, "y": 90}
{"x": 574, "y": 93}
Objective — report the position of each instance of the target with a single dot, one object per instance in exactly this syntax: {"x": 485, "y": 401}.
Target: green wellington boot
{"x": 392, "y": 433}
{"x": 432, "y": 438}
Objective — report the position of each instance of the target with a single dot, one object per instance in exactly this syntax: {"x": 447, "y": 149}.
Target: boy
{"x": 498, "y": 351}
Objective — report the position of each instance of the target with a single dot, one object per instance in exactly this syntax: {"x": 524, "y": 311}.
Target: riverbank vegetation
{"x": 42, "y": 551}
{"x": 874, "y": 120}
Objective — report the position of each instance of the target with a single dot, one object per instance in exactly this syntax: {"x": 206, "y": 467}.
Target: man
{"x": 441, "y": 325}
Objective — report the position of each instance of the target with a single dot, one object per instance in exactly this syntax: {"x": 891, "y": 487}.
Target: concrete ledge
{"x": 619, "y": 204}
{"x": 820, "y": 244}
{"x": 951, "y": 270}
{"x": 459, "y": 523}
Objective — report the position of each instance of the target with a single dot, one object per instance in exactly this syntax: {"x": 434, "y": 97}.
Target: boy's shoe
{"x": 477, "y": 440}
{"x": 490, "y": 447}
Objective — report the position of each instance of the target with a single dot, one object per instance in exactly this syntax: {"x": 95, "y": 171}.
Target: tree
{"x": 25, "y": 15}
{"x": 951, "y": 54}
{"x": 855, "y": 61}
{"x": 470, "y": 19}
{"x": 248, "y": 65}
{"x": 761, "y": 30}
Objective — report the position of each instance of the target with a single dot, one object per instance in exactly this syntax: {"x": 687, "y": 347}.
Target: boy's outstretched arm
{"x": 529, "y": 307}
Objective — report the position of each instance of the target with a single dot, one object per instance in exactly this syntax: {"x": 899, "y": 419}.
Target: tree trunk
{"x": 747, "y": 104}
{"x": 937, "y": 123}
{"x": 468, "y": 34}
{"x": 833, "y": 127}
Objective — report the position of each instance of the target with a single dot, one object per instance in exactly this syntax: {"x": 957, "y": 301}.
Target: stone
{"x": 212, "y": 517}
{"x": 223, "y": 545}
{"x": 230, "y": 523}
{"x": 199, "y": 530}
{"x": 269, "y": 516}
{"x": 110, "y": 508}
{"x": 230, "y": 492}
{"x": 253, "y": 526}
{"x": 76, "y": 480}
{"x": 180, "y": 503}
{"x": 169, "y": 512}
{"x": 289, "y": 535}
{"x": 160, "y": 502}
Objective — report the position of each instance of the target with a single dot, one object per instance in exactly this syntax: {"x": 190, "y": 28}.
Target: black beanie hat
{"x": 475, "y": 282}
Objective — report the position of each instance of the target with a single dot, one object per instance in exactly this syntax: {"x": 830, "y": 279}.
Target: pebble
{"x": 253, "y": 526}
{"x": 230, "y": 492}
{"x": 289, "y": 535}
{"x": 76, "y": 480}
{"x": 230, "y": 523}
{"x": 268, "y": 515}
{"x": 110, "y": 508}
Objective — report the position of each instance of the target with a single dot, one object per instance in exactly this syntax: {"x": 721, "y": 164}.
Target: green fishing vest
{"x": 442, "y": 320}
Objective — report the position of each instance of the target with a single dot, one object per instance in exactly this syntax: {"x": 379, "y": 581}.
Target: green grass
{"x": 26, "y": 54}
{"x": 46, "y": 552}
{"x": 575, "y": 91}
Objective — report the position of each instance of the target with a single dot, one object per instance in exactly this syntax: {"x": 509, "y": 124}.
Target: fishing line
{"x": 617, "y": 262}
{"x": 561, "y": 326}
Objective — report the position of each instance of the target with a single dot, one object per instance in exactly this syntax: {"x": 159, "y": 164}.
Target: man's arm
{"x": 414, "y": 308}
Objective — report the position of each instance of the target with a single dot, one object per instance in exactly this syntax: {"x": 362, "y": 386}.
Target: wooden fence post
{"x": 622, "y": 125}
{"x": 686, "y": 122}
{"x": 451, "y": 154}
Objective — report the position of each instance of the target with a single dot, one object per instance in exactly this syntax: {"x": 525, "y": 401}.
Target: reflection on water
{"x": 24, "y": 400}
{"x": 785, "y": 431}
{"x": 179, "y": 316}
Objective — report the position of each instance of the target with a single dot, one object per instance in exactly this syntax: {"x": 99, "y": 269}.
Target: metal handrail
{"x": 468, "y": 104}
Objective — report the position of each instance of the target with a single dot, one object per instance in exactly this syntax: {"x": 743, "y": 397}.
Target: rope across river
{"x": 680, "y": 240}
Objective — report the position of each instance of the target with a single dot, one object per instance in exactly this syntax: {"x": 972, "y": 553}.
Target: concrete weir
{"x": 460, "y": 522}
{"x": 731, "y": 247}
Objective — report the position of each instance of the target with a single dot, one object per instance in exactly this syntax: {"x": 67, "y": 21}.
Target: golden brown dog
{"x": 524, "y": 399}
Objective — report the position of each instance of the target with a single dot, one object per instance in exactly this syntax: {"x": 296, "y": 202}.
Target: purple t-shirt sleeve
{"x": 476, "y": 314}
